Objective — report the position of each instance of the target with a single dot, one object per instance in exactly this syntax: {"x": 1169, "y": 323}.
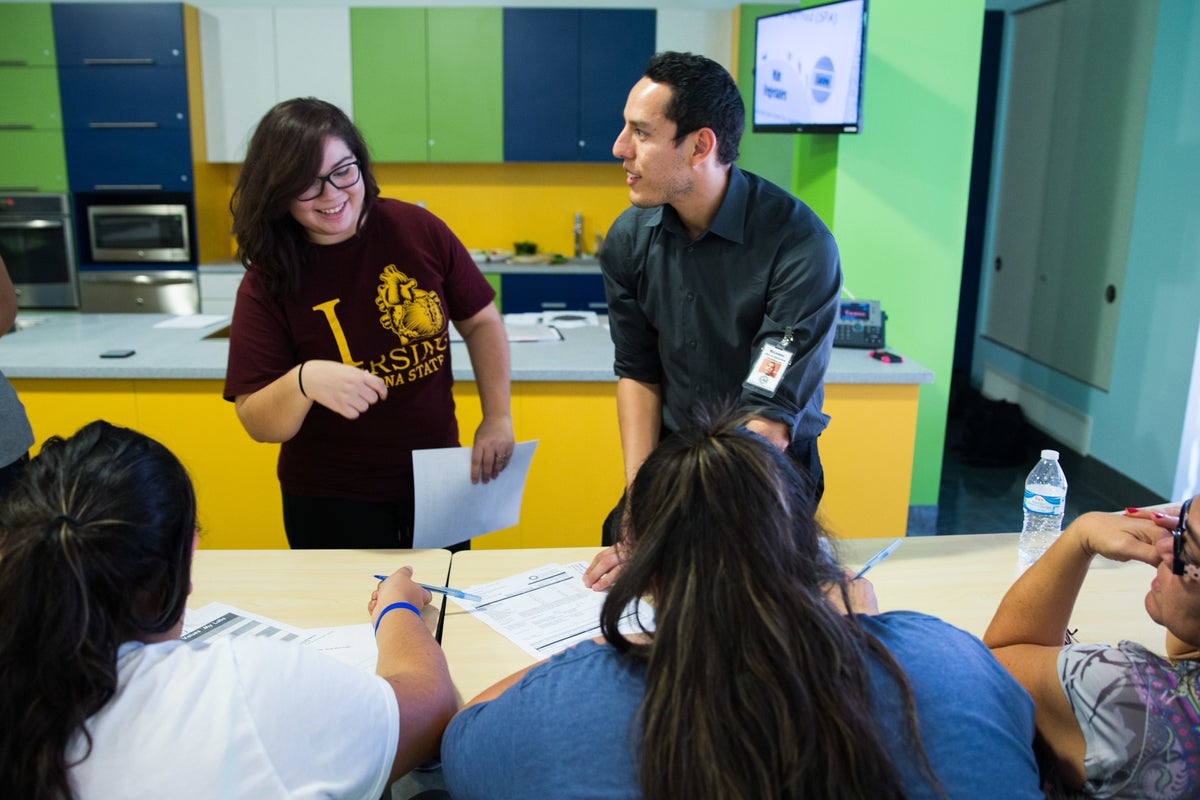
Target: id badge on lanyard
{"x": 774, "y": 357}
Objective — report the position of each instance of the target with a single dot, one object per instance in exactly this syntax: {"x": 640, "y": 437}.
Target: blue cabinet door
{"x": 541, "y": 84}
{"x": 613, "y": 51}
{"x": 524, "y": 292}
{"x": 567, "y": 73}
{"x": 150, "y": 33}
{"x": 132, "y": 96}
{"x": 129, "y": 159}
{"x": 123, "y": 84}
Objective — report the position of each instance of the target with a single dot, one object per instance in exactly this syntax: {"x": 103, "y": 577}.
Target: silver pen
{"x": 460, "y": 594}
{"x": 880, "y": 556}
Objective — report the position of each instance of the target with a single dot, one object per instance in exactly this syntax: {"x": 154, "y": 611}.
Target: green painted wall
{"x": 769, "y": 155}
{"x": 895, "y": 195}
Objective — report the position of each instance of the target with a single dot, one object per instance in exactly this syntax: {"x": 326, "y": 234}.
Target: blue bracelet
{"x": 393, "y": 607}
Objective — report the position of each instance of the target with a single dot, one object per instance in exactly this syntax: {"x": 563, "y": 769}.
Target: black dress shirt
{"x": 691, "y": 316}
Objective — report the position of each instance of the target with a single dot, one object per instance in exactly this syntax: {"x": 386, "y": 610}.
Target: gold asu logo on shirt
{"x": 410, "y": 313}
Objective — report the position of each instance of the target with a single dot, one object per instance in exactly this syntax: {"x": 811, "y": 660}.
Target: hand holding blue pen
{"x": 880, "y": 556}
{"x": 446, "y": 590}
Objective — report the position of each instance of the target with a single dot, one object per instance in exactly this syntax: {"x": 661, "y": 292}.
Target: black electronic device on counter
{"x": 860, "y": 323}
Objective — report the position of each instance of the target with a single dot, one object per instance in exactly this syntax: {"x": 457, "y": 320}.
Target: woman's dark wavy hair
{"x": 756, "y": 686}
{"x": 95, "y": 550}
{"x": 283, "y": 158}
{"x": 703, "y": 95}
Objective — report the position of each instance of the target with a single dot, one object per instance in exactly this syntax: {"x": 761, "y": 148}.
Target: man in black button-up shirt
{"x": 708, "y": 265}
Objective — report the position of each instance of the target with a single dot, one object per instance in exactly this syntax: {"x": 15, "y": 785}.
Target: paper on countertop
{"x": 192, "y": 321}
{"x": 450, "y": 509}
{"x": 350, "y": 644}
{"x": 546, "y": 610}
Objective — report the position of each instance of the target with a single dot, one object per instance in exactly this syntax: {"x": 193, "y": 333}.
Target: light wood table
{"x": 958, "y": 578}
{"x": 478, "y": 656}
{"x": 310, "y": 588}
{"x": 963, "y": 578}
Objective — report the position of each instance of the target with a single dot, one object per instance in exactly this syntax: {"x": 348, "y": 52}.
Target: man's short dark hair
{"x": 703, "y": 95}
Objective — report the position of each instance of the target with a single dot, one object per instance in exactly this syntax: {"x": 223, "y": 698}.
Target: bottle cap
{"x": 1050, "y": 454}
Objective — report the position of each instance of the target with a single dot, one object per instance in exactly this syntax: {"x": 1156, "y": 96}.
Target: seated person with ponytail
{"x": 101, "y": 698}
{"x": 768, "y": 672}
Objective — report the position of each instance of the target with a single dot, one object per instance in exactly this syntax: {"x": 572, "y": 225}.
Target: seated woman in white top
{"x": 756, "y": 682}
{"x": 101, "y": 698}
{"x": 1117, "y": 721}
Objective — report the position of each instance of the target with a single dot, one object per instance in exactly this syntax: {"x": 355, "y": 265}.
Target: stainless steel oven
{"x": 37, "y": 244}
{"x": 137, "y": 252}
{"x": 138, "y": 233}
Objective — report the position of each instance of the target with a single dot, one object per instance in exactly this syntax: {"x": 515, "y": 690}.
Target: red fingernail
{"x": 1158, "y": 515}
{"x": 1131, "y": 510}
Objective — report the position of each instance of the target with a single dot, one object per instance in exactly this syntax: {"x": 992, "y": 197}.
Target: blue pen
{"x": 880, "y": 556}
{"x": 461, "y": 595}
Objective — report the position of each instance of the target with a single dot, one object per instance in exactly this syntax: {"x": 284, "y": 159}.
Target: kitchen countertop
{"x": 573, "y": 266}
{"x": 67, "y": 345}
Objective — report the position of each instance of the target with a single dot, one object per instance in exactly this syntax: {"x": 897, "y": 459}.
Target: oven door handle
{"x": 31, "y": 223}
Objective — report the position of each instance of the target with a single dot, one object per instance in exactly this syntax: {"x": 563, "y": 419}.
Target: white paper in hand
{"x": 450, "y": 509}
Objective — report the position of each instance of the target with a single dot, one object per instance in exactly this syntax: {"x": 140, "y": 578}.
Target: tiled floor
{"x": 987, "y": 499}
{"x": 984, "y": 467}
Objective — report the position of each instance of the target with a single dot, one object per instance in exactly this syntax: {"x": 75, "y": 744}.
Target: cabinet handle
{"x": 126, "y": 187}
{"x": 141, "y": 280}
{"x": 16, "y": 126}
{"x": 553, "y": 305}
{"x": 14, "y": 62}
{"x": 118, "y": 62}
{"x": 121, "y": 125}
{"x": 598, "y": 306}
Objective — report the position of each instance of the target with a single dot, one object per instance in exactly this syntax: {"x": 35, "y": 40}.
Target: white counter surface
{"x": 68, "y": 345}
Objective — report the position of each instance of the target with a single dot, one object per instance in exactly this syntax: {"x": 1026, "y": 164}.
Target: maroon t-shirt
{"x": 382, "y": 301}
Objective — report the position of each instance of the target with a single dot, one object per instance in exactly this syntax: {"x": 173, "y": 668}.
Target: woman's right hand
{"x": 399, "y": 587}
{"x": 1123, "y": 537}
{"x": 341, "y": 388}
{"x": 860, "y": 592}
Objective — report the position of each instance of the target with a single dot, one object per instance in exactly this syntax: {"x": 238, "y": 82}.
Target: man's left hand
{"x": 774, "y": 432}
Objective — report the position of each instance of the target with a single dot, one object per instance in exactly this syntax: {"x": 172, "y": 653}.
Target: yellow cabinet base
{"x": 575, "y": 478}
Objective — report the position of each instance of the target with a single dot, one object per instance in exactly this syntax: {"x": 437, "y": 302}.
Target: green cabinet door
{"x": 466, "y": 84}
{"x": 428, "y": 83}
{"x": 26, "y": 35}
{"x": 32, "y": 157}
{"x": 389, "y": 67}
{"x": 29, "y": 98}
{"x": 32, "y": 161}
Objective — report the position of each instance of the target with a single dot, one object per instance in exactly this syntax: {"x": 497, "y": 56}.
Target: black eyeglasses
{"x": 1181, "y": 534}
{"x": 343, "y": 177}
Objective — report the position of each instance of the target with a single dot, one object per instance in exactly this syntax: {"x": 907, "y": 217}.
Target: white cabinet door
{"x": 237, "y": 46}
{"x": 312, "y": 55}
{"x": 1079, "y": 75}
{"x": 255, "y": 57}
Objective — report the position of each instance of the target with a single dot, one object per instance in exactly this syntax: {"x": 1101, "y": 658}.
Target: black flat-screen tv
{"x": 808, "y": 69}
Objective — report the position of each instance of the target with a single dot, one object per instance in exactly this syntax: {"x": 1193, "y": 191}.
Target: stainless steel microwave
{"x": 139, "y": 233}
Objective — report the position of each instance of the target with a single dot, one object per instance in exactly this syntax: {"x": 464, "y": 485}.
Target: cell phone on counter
{"x": 119, "y": 352}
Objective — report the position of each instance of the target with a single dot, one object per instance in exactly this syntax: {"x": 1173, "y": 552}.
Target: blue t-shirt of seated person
{"x": 569, "y": 728}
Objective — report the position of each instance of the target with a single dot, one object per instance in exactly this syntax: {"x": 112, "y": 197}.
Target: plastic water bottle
{"x": 1045, "y": 502}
